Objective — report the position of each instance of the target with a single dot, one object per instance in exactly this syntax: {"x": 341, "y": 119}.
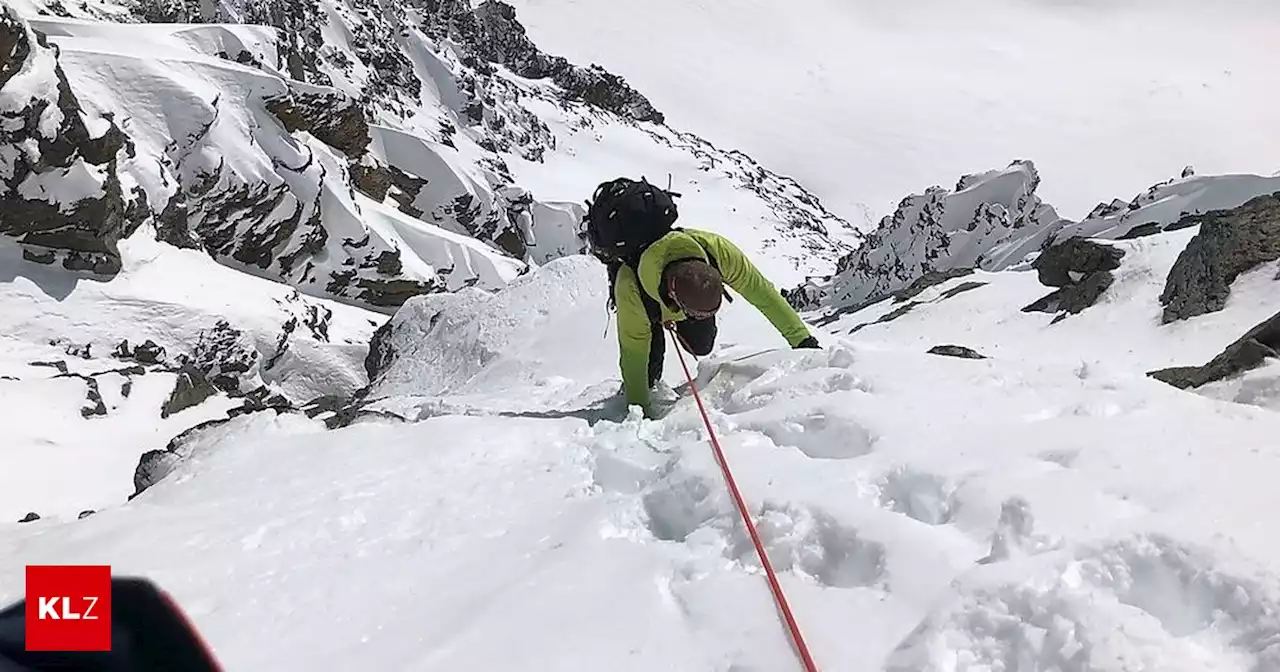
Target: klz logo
{"x": 68, "y": 608}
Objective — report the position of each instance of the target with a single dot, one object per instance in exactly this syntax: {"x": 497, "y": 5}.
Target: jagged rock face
{"x": 1081, "y": 269}
{"x": 189, "y": 389}
{"x": 990, "y": 221}
{"x": 498, "y": 37}
{"x": 60, "y": 194}
{"x": 335, "y": 119}
{"x": 1230, "y": 242}
{"x": 225, "y": 357}
{"x": 1249, "y": 352}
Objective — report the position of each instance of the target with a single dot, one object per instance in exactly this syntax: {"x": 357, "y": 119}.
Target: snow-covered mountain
{"x": 864, "y": 101}
{"x": 995, "y": 220}
{"x": 294, "y": 323}
{"x": 277, "y": 156}
{"x": 359, "y": 153}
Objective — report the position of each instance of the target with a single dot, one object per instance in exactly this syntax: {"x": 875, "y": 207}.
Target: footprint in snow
{"x": 919, "y": 495}
{"x": 1151, "y": 601}
{"x": 796, "y": 538}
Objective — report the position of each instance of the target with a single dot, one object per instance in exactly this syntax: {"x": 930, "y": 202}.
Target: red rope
{"x": 779, "y": 598}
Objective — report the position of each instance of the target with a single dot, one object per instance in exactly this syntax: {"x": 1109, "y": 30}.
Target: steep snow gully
{"x": 331, "y": 368}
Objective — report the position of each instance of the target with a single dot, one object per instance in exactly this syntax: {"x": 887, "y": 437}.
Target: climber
{"x": 662, "y": 275}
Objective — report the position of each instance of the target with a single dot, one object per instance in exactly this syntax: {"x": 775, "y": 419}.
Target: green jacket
{"x": 634, "y": 327}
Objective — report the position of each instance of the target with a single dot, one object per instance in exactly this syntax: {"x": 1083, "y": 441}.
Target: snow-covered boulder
{"x": 60, "y": 191}
{"x": 1230, "y": 242}
{"x": 990, "y": 220}
{"x": 450, "y": 342}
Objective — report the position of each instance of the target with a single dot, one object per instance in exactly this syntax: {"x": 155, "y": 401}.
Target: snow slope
{"x": 460, "y": 487}
{"x": 58, "y": 460}
{"x": 864, "y": 101}
{"x": 926, "y": 513}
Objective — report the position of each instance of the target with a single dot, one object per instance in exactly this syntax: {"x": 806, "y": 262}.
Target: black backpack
{"x": 625, "y": 216}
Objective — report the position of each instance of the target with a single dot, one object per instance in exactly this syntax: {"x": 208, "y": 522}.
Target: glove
{"x": 809, "y": 342}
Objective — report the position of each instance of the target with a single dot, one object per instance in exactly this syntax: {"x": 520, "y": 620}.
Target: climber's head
{"x": 696, "y": 287}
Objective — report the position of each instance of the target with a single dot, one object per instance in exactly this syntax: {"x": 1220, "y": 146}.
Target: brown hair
{"x": 697, "y": 285}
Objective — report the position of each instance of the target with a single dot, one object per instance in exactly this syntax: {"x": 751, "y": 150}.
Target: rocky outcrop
{"x": 1249, "y": 352}
{"x": 154, "y": 465}
{"x": 331, "y": 116}
{"x": 149, "y": 352}
{"x": 190, "y": 388}
{"x": 991, "y": 220}
{"x": 498, "y": 37}
{"x": 1081, "y": 269}
{"x": 60, "y": 192}
{"x": 1230, "y": 242}
{"x": 381, "y": 350}
{"x": 929, "y": 279}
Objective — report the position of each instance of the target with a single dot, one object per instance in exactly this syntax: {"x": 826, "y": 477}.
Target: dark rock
{"x": 392, "y": 293}
{"x": 154, "y": 465}
{"x": 955, "y": 351}
{"x": 14, "y": 46}
{"x": 1230, "y": 242}
{"x": 929, "y": 279}
{"x": 327, "y": 404}
{"x": 45, "y": 257}
{"x": 85, "y": 514}
{"x": 60, "y": 365}
{"x": 1141, "y": 230}
{"x": 30, "y": 517}
{"x": 372, "y": 181}
{"x": 381, "y": 351}
{"x": 94, "y": 405}
{"x": 1071, "y": 261}
{"x": 1081, "y": 268}
{"x": 82, "y": 351}
{"x": 262, "y": 399}
{"x": 149, "y": 353}
{"x": 960, "y": 289}
{"x": 331, "y": 116}
{"x": 1075, "y": 298}
{"x": 1249, "y": 352}
{"x": 888, "y": 317}
{"x": 189, "y": 389}
{"x": 172, "y": 226}
{"x": 406, "y": 191}
{"x": 225, "y": 357}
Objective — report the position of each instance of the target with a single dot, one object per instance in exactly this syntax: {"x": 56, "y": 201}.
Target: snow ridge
{"x": 994, "y": 220}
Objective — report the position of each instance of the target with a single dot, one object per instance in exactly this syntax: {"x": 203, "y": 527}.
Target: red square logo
{"x": 68, "y": 608}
